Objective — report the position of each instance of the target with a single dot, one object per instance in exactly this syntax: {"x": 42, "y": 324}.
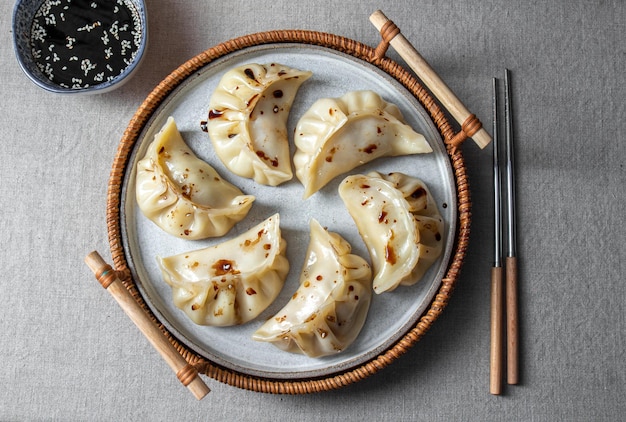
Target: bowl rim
{"x": 22, "y": 52}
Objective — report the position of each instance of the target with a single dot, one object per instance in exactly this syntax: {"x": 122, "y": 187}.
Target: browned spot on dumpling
{"x": 382, "y": 216}
{"x": 390, "y": 254}
{"x": 370, "y": 148}
{"x": 263, "y": 156}
{"x": 311, "y": 318}
{"x": 323, "y": 333}
{"x": 281, "y": 318}
{"x": 249, "y": 73}
{"x": 186, "y": 191}
{"x": 225, "y": 266}
{"x": 252, "y": 242}
{"x": 278, "y": 93}
{"x": 331, "y": 154}
{"x": 250, "y": 291}
{"x": 319, "y": 278}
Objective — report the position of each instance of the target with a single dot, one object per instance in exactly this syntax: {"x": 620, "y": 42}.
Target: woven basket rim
{"x": 354, "y": 49}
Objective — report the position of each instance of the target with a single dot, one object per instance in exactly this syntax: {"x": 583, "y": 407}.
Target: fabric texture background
{"x": 69, "y": 353}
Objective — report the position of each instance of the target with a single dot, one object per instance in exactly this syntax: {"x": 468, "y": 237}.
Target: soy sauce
{"x": 82, "y": 43}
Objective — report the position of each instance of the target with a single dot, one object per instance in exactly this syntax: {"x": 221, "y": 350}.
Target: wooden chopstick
{"x": 497, "y": 293}
{"x": 511, "y": 259}
{"x": 430, "y": 78}
{"x": 107, "y": 277}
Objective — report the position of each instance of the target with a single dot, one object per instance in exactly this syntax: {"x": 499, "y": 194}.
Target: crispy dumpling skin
{"x": 337, "y": 135}
{"x": 399, "y": 222}
{"x": 328, "y": 310}
{"x": 247, "y": 120}
{"x": 184, "y": 195}
{"x": 230, "y": 283}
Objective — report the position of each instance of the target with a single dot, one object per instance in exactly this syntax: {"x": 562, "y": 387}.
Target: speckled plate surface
{"x": 391, "y": 314}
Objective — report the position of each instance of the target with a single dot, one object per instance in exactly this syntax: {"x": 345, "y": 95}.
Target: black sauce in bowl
{"x": 82, "y": 43}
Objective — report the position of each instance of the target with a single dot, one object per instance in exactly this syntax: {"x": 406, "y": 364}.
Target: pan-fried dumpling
{"x": 230, "y": 283}
{"x": 247, "y": 120}
{"x": 329, "y": 308}
{"x": 184, "y": 195}
{"x": 399, "y": 222}
{"x": 338, "y": 134}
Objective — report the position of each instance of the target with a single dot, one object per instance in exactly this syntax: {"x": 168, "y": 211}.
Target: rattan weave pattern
{"x": 362, "y": 52}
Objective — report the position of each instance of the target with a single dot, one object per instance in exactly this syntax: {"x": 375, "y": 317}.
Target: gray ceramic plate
{"x": 391, "y": 314}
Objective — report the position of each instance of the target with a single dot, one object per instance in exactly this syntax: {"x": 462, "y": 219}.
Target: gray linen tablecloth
{"x": 69, "y": 353}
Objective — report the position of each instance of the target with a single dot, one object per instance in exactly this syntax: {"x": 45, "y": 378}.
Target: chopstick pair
{"x": 504, "y": 291}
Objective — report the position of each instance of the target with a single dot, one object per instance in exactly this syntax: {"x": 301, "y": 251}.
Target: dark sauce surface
{"x": 81, "y": 43}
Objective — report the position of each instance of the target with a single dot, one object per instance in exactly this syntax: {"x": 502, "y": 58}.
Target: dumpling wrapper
{"x": 328, "y": 310}
{"x": 184, "y": 195}
{"x": 399, "y": 222}
{"x": 247, "y": 120}
{"x": 233, "y": 282}
{"x": 337, "y": 135}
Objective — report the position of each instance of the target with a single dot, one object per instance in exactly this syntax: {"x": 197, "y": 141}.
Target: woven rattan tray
{"x": 307, "y": 382}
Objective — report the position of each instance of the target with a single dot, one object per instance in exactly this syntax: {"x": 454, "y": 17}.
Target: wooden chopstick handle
{"x": 430, "y": 78}
{"x": 512, "y": 372}
{"x": 497, "y": 329}
{"x": 108, "y": 278}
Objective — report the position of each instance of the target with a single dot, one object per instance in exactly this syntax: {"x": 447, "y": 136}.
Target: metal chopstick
{"x": 511, "y": 259}
{"x": 497, "y": 293}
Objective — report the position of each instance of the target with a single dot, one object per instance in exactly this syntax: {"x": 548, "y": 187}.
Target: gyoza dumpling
{"x": 183, "y": 194}
{"x": 247, "y": 120}
{"x": 338, "y": 134}
{"x": 328, "y": 310}
{"x": 230, "y": 283}
{"x": 399, "y": 223}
